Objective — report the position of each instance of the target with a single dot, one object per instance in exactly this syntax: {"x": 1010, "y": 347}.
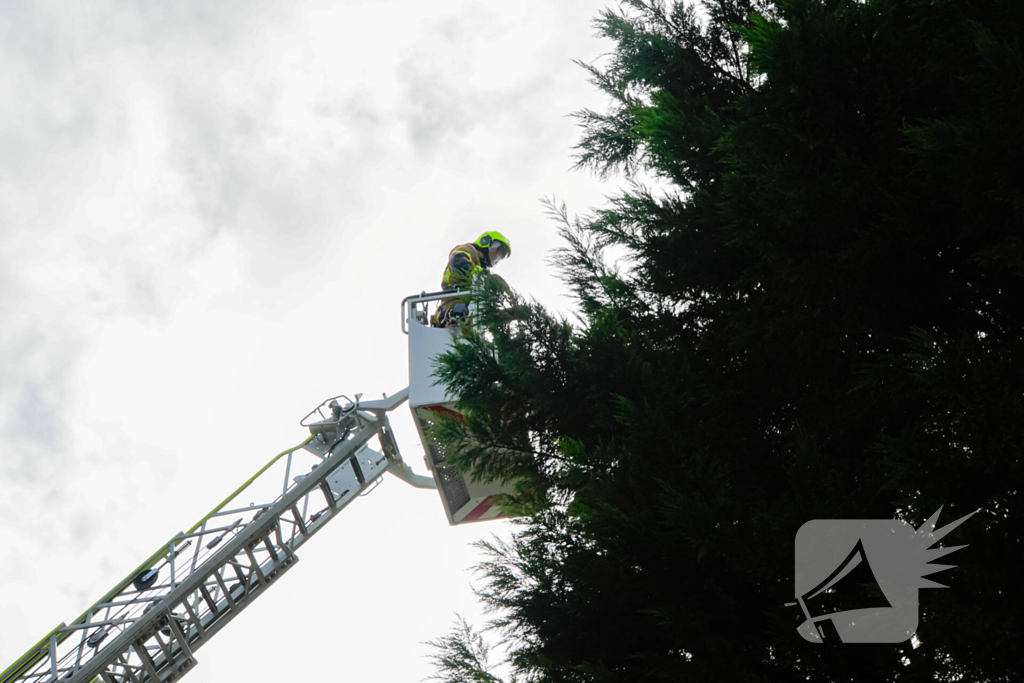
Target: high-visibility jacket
{"x": 464, "y": 262}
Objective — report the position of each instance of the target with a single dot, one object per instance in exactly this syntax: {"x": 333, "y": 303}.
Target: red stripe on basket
{"x": 441, "y": 409}
{"x": 480, "y": 510}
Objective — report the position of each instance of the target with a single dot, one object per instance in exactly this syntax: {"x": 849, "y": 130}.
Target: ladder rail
{"x": 148, "y": 631}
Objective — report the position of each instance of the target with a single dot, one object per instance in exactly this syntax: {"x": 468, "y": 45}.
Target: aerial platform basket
{"x": 464, "y": 500}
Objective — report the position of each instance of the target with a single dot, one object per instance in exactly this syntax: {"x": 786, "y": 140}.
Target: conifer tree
{"x": 822, "y": 318}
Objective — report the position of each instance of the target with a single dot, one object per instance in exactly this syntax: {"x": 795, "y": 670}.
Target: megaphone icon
{"x": 851, "y": 587}
{"x": 858, "y": 601}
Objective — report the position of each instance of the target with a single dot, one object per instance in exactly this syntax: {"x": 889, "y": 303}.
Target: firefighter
{"x": 464, "y": 262}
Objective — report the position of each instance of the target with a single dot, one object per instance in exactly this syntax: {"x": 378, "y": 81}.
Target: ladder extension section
{"x": 147, "y": 629}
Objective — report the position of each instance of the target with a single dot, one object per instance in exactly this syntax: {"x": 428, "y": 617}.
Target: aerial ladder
{"x": 147, "y": 628}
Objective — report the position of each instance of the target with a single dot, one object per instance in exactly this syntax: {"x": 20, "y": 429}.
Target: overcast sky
{"x": 209, "y": 212}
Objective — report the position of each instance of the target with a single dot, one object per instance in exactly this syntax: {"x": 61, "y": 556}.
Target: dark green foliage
{"x": 822, "y": 317}
{"x": 462, "y": 656}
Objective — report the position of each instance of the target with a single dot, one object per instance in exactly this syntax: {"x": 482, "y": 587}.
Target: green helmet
{"x": 489, "y": 238}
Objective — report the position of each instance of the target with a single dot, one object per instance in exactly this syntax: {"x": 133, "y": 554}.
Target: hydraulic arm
{"x": 150, "y": 625}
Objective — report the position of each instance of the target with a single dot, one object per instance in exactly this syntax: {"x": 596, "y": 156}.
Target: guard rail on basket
{"x": 409, "y": 303}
